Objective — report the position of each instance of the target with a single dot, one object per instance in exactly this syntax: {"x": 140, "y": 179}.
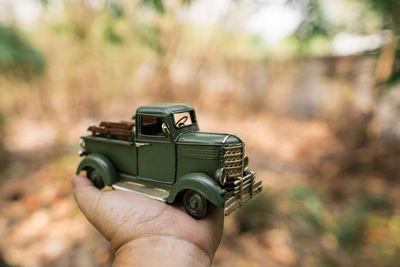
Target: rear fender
{"x": 102, "y": 164}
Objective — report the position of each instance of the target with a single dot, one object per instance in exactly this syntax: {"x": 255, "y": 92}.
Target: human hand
{"x": 146, "y": 232}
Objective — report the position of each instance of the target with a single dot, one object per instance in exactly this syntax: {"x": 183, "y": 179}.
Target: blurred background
{"x": 311, "y": 86}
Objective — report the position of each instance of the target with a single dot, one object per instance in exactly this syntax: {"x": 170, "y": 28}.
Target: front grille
{"x": 233, "y": 161}
{"x": 240, "y": 187}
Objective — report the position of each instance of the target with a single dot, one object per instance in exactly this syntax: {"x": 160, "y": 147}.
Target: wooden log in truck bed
{"x": 123, "y": 128}
{"x": 118, "y": 125}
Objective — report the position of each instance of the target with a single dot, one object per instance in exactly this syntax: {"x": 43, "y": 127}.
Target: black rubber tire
{"x": 201, "y": 202}
{"x": 95, "y": 177}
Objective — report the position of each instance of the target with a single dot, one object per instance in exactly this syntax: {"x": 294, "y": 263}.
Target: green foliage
{"x": 384, "y": 6}
{"x": 115, "y": 10}
{"x": 2, "y": 150}
{"x": 256, "y": 214}
{"x": 17, "y": 56}
{"x": 2, "y": 124}
{"x": 314, "y": 22}
{"x": 314, "y": 31}
{"x": 44, "y": 3}
{"x": 351, "y": 226}
{"x": 70, "y": 26}
{"x": 112, "y": 36}
{"x": 256, "y": 47}
{"x": 308, "y": 206}
{"x": 156, "y": 4}
{"x": 149, "y": 36}
{"x": 389, "y": 10}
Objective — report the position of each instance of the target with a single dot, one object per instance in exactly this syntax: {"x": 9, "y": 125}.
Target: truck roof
{"x": 164, "y": 108}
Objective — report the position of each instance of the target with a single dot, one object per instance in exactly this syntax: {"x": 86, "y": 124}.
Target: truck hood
{"x": 209, "y": 138}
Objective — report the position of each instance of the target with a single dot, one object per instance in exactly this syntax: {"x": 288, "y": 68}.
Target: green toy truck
{"x": 167, "y": 158}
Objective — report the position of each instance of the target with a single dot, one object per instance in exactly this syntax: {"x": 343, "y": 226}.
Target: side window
{"x": 151, "y": 126}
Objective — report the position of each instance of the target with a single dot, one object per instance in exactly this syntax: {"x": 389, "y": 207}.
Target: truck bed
{"x": 121, "y": 153}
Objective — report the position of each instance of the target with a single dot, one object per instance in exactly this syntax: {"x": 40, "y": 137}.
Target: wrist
{"x": 161, "y": 250}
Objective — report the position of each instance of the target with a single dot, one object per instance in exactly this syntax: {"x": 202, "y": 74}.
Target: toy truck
{"x": 167, "y": 158}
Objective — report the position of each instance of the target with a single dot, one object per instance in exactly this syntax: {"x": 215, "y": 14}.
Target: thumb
{"x": 85, "y": 194}
{"x": 87, "y": 197}
{"x": 99, "y": 207}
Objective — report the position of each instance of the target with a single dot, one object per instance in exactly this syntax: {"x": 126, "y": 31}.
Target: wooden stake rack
{"x": 123, "y": 128}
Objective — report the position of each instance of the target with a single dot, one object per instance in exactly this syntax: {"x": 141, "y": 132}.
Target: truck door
{"x": 155, "y": 150}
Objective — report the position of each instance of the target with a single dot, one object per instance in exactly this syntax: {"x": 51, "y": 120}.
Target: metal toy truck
{"x": 167, "y": 158}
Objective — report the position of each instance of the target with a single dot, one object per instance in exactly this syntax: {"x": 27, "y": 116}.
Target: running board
{"x": 154, "y": 193}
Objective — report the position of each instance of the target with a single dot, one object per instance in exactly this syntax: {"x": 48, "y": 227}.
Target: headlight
{"x": 221, "y": 176}
{"x": 245, "y": 162}
{"x": 82, "y": 144}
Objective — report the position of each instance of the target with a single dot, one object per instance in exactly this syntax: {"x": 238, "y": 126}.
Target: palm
{"x": 124, "y": 216}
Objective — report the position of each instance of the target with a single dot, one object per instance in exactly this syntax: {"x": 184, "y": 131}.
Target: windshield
{"x": 183, "y": 119}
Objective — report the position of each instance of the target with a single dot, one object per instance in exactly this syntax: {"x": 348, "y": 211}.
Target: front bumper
{"x": 245, "y": 188}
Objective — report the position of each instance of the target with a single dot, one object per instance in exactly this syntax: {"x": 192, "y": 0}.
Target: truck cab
{"x": 157, "y": 127}
{"x": 164, "y": 155}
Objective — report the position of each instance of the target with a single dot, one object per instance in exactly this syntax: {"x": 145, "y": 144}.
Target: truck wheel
{"x": 95, "y": 177}
{"x": 195, "y": 204}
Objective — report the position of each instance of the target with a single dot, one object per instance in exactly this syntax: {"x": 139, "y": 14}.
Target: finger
{"x": 78, "y": 180}
{"x": 86, "y": 196}
{"x": 216, "y": 218}
{"x": 209, "y": 235}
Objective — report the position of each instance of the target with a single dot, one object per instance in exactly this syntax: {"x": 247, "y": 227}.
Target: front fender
{"x": 102, "y": 164}
{"x": 202, "y": 184}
